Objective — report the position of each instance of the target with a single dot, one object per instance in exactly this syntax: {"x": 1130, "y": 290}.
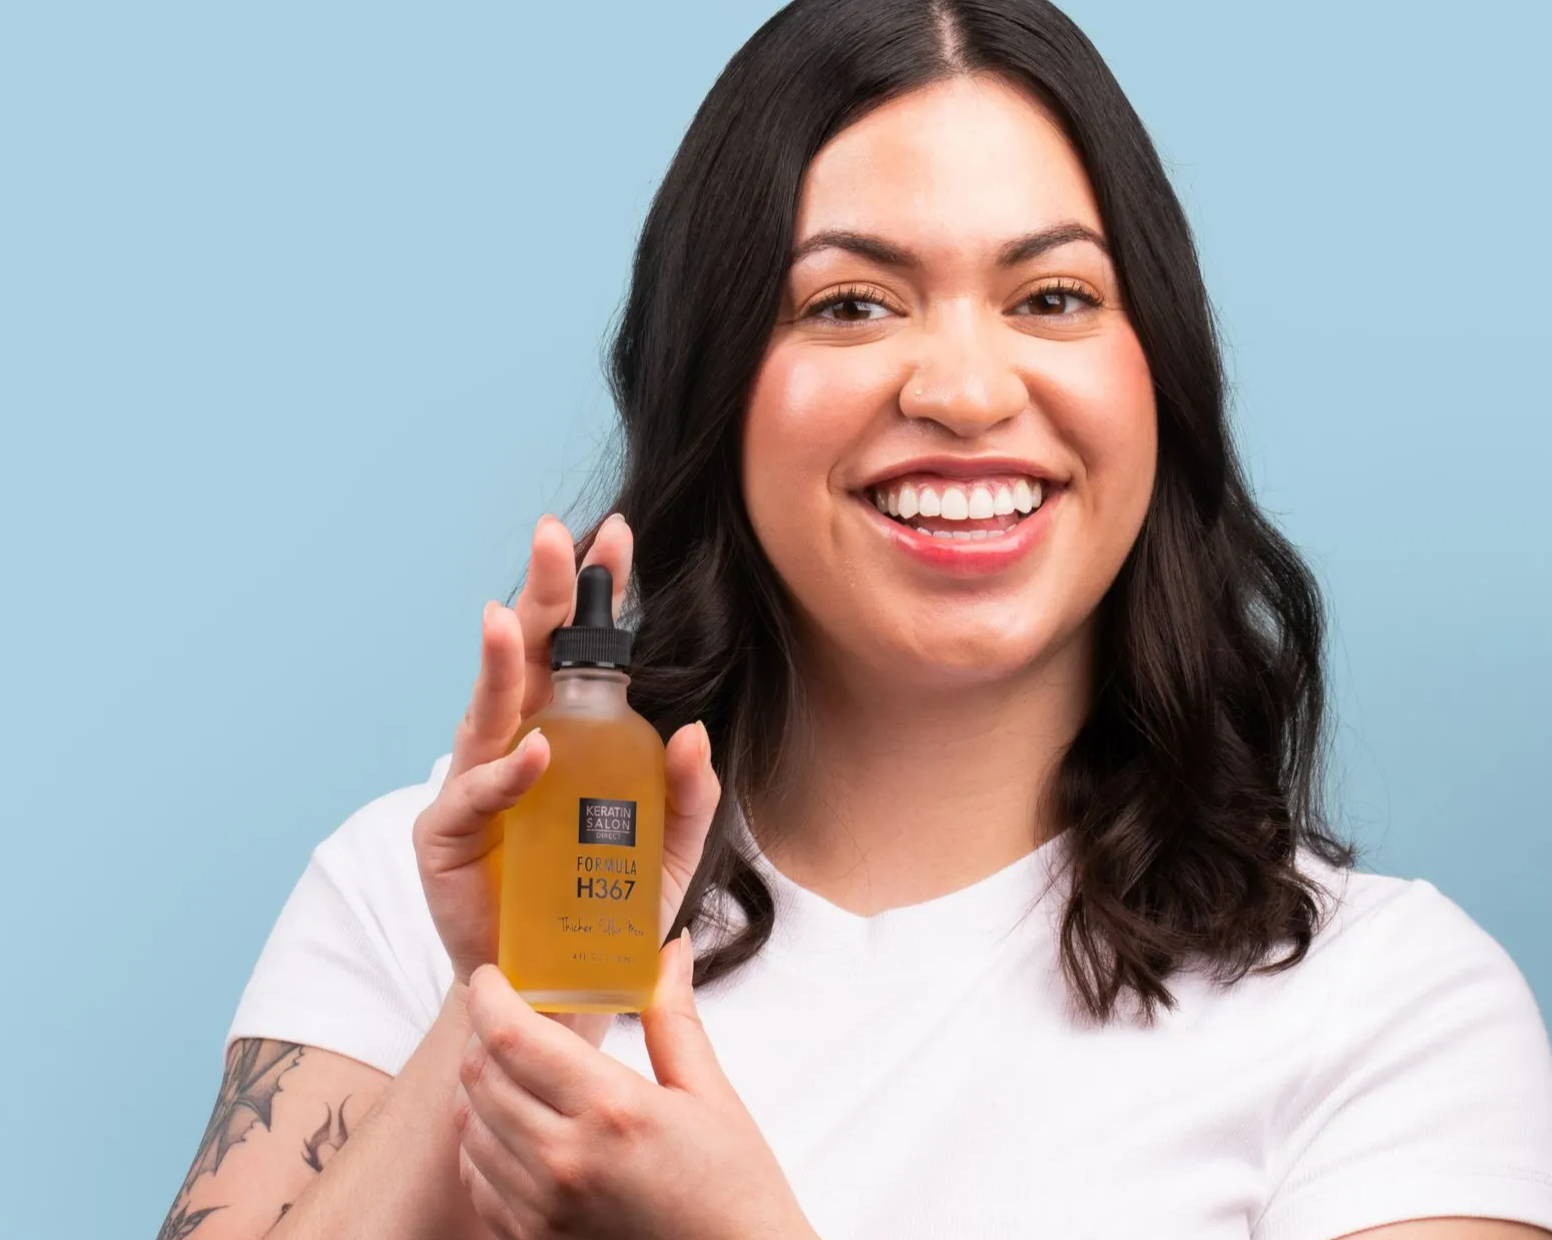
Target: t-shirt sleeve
{"x": 1431, "y": 1092}
{"x": 352, "y": 963}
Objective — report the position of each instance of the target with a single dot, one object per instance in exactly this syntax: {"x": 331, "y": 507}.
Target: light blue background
{"x": 303, "y": 308}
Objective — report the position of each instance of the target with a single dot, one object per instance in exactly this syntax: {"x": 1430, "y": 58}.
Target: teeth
{"x": 922, "y": 529}
{"x": 952, "y": 502}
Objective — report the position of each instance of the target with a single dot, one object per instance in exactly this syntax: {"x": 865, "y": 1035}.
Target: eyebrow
{"x": 887, "y": 254}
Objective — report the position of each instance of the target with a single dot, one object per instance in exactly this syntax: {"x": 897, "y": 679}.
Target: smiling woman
{"x": 1021, "y": 915}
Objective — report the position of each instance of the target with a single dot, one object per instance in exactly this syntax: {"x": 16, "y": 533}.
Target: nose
{"x": 964, "y": 383}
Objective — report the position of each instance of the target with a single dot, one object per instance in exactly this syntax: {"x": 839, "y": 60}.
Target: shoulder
{"x": 374, "y": 846}
{"x": 353, "y": 963}
{"x": 1422, "y": 1078}
{"x": 1417, "y": 993}
{"x": 369, "y": 862}
{"x": 1395, "y": 967}
{"x": 1372, "y": 924}
{"x": 1388, "y": 954}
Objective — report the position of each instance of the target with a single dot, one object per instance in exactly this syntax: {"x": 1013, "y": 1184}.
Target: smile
{"x": 983, "y": 546}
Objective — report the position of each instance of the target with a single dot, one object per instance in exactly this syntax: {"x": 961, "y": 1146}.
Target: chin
{"x": 962, "y": 659}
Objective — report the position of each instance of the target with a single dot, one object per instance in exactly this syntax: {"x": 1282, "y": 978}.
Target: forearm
{"x": 397, "y": 1176}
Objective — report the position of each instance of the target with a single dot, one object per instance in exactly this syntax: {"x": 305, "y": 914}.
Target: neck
{"x": 908, "y": 792}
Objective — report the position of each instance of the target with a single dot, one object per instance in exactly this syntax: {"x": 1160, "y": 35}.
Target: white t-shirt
{"x": 918, "y": 1077}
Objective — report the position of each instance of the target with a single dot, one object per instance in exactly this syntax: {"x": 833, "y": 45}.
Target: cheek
{"x": 805, "y": 412}
{"x": 1113, "y": 425}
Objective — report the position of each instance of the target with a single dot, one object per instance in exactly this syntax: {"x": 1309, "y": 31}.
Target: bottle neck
{"x": 588, "y": 686}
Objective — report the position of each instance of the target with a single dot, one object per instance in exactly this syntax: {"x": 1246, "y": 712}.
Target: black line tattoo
{"x": 254, "y": 1067}
{"x": 331, "y": 1135}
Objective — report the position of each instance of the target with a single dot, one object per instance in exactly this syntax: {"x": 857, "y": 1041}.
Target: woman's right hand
{"x": 457, "y": 836}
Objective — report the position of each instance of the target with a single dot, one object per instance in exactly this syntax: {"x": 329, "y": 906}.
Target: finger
{"x": 693, "y": 793}
{"x": 461, "y": 824}
{"x": 545, "y": 603}
{"x": 509, "y": 1114}
{"x": 614, "y": 547}
{"x": 544, "y": 1058}
{"x": 510, "y": 1212}
{"x": 496, "y": 704}
{"x": 677, "y": 1042}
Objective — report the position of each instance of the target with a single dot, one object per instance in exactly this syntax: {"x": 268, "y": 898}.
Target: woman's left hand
{"x": 559, "y": 1139}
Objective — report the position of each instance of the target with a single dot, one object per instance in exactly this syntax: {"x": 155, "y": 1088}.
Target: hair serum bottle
{"x": 582, "y": 850}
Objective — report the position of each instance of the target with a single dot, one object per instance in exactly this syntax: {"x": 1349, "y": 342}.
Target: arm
{"x": 275, "y": 1160}
{"x": 1453, "y": 1228}
{"x": 263, "y": 1141}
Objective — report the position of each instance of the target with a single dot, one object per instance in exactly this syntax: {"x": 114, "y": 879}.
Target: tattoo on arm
{"x": 254, "y": 1068}
{"x": 330, "y": 1136}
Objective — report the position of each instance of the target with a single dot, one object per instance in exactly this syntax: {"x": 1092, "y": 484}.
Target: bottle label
{"x": 602, "y": 821}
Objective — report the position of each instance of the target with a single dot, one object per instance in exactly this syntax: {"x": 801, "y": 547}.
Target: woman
{"x": 1024, "y": 919}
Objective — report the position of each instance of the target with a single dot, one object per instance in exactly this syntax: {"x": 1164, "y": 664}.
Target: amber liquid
{"x": 579, "y": 919}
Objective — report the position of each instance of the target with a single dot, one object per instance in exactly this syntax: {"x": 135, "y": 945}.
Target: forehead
{"x": 966, "y": 162}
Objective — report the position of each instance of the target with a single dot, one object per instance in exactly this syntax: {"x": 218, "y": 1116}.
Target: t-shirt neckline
{"x": 824, "y": 937}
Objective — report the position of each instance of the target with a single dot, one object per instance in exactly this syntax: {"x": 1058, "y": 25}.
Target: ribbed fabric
{"x": 1406, "y": 1187}
{"x": 920, "y": 1075}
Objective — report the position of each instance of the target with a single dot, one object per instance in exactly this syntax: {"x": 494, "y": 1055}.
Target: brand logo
{"x": 602, "y": 821}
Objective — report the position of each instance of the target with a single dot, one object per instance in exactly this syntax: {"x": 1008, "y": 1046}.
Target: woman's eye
{"x": 1048, "y": 303}
{"x": 1053, "y": 295}
{"x": 848, "y": 299}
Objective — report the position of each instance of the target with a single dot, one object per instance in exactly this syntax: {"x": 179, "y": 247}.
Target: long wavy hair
{"x": 1196, "y": 776}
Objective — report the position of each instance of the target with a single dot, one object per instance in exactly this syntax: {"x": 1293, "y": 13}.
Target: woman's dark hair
{"x": 1196, "y": 777}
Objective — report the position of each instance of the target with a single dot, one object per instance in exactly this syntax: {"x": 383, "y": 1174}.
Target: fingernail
{"x": 614, "y": 518}
{"x": 485, "y": 615}
{"x": 705, "y": 742}
{"x": 524, "y": 745}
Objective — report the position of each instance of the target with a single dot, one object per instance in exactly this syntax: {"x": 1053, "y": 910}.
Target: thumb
{"x": 693, "y": 792}
{"x": 681, "y": 1053}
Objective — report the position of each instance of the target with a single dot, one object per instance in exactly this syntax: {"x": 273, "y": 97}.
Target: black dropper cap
{"x": 591, "y": 640}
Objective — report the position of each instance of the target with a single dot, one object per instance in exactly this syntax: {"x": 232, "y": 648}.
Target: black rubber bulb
{"x": 595, "y": 584}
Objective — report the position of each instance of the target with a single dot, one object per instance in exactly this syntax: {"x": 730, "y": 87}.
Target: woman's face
{"x": 956, "y": 355}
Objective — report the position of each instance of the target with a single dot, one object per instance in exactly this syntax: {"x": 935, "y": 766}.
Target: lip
{"x": 963, "y": 557}
{"x": 964, "y": 467}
